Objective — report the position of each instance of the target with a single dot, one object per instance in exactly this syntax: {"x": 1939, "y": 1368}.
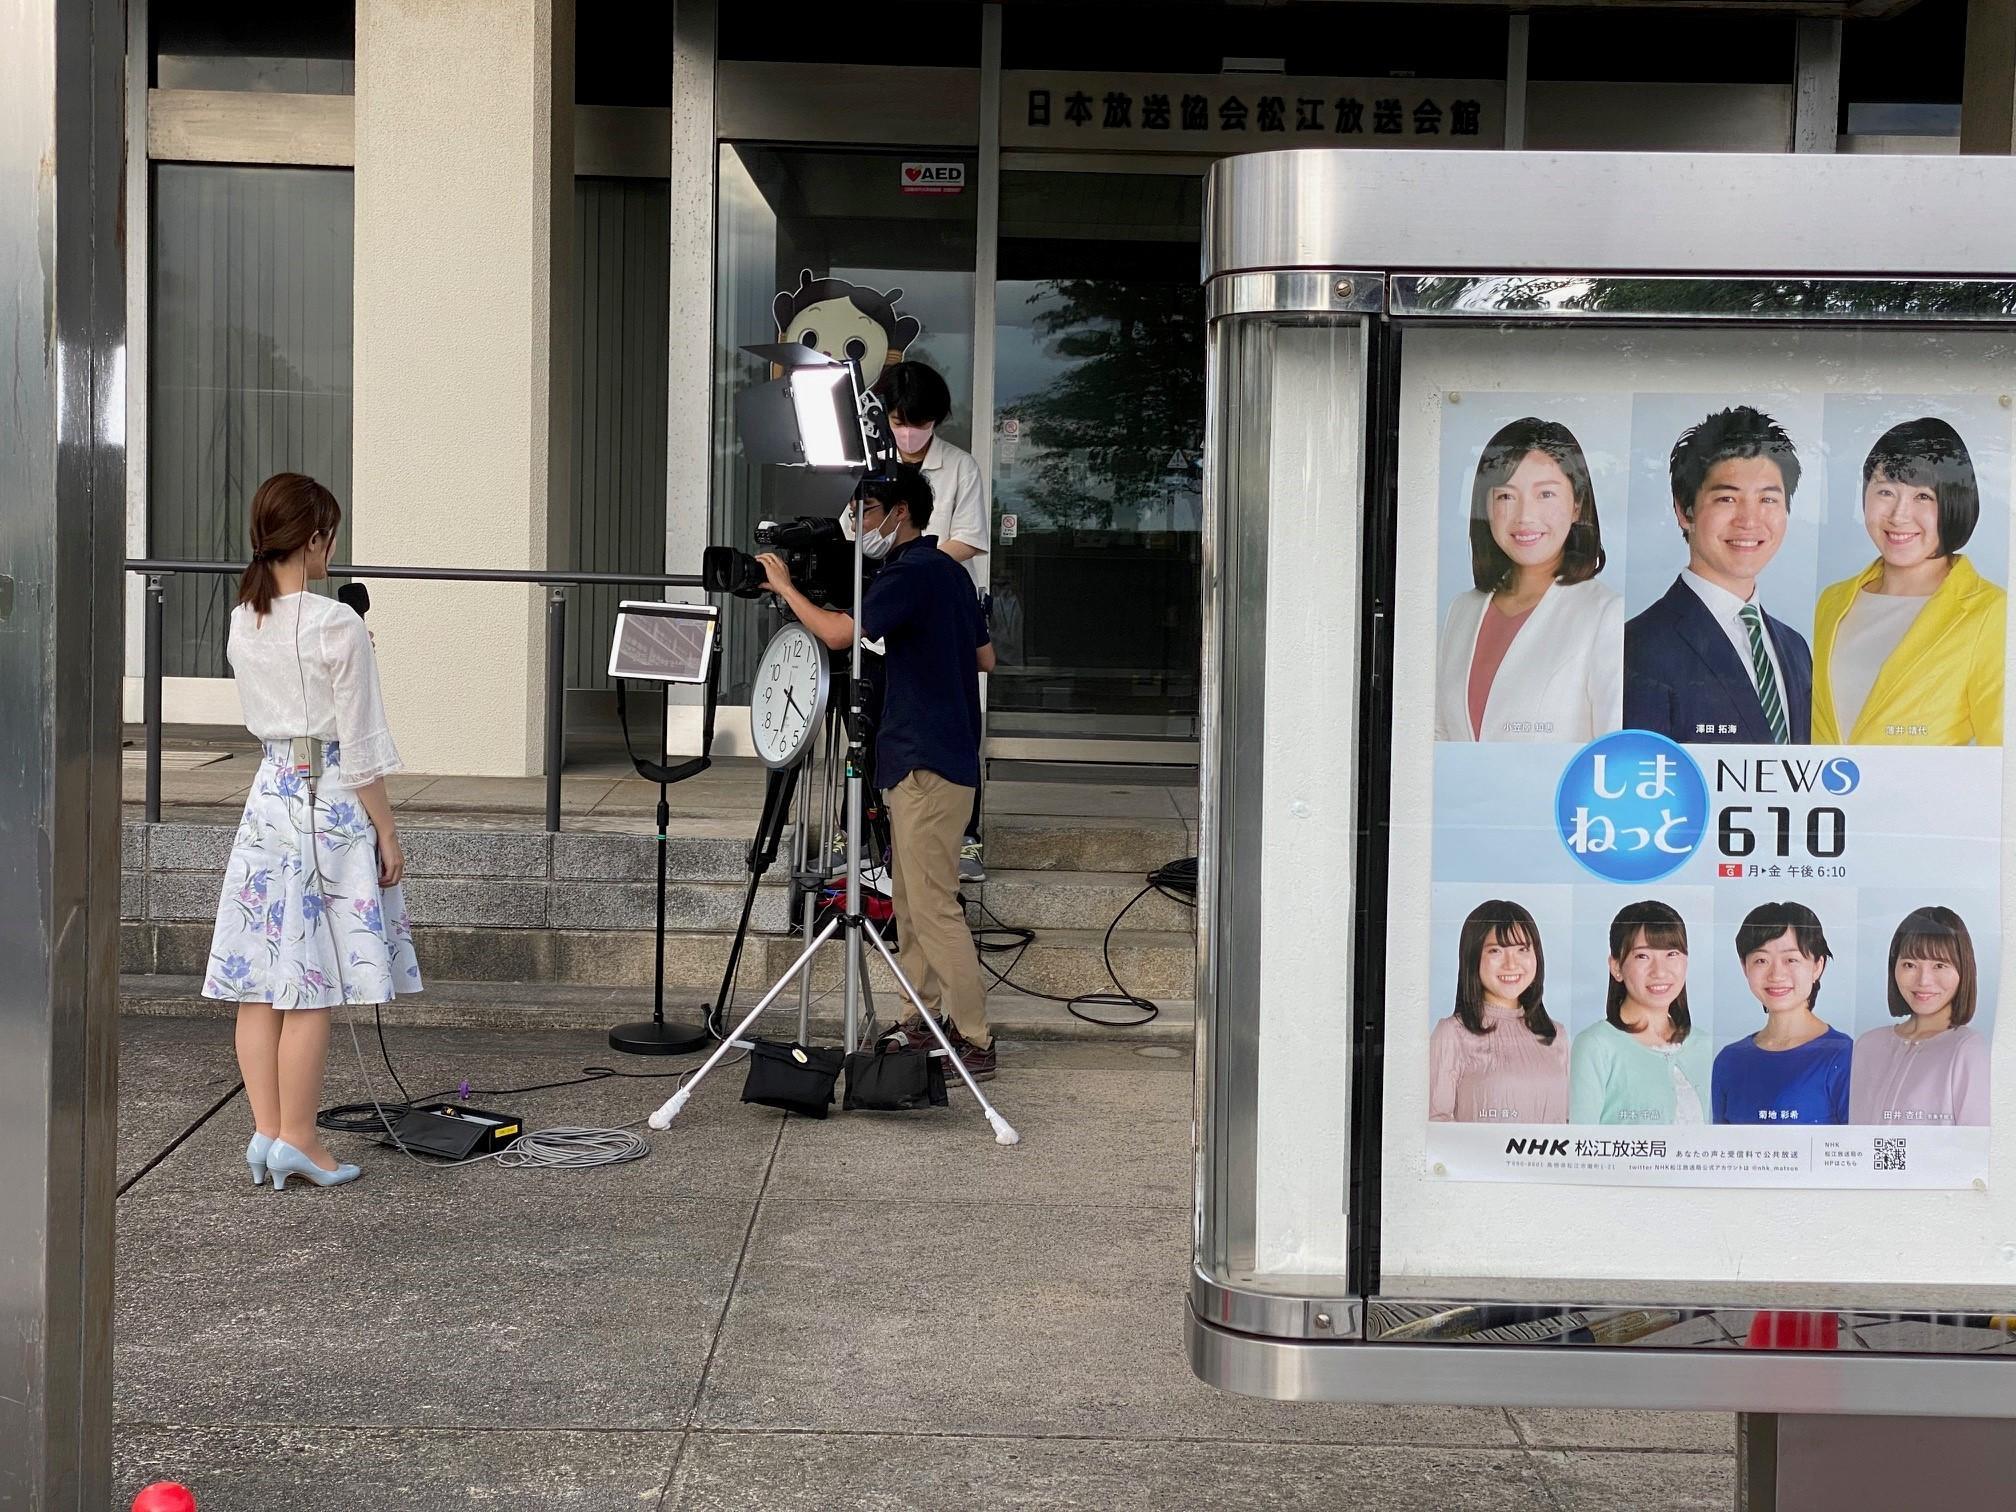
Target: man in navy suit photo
{"x": 1706, "y": 663}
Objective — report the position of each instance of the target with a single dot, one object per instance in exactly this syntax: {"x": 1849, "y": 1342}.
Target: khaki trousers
{"x": 927, "y": 824}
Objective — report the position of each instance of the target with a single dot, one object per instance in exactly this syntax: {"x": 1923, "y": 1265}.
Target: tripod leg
{"x": 1004, "y": 1132}
{"x": 669, "y": 1110}
{"x": 718, "y": 1014}
{"x": 801, "y": 860}
{"x": 762, "y": 851}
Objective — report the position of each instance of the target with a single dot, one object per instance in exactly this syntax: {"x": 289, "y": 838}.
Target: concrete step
{"x": 1156, "y": 964}
{"x": 1046, "y": 900}
{"x": 1023, "y": 842}
{"x": 1062, "y": 962}
{"x": 476, "y": 875}
{"x": 509, "y": 1006}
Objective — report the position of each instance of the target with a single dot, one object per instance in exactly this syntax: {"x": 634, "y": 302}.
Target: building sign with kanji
{"x": 1241, "y": 112}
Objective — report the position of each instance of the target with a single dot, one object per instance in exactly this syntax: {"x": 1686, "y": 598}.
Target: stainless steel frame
{"x": 1678, "y": 1379}
{"x": 1227, "y": 1283}
{"x": 1608, "y": 213}
{"x": 1337, "y": 237}
{"x": 1338, "y": 291}
{"x": 1528, "y": 296}
{"x": 1275, "y": 1317}
{"x": 62, "y": 475}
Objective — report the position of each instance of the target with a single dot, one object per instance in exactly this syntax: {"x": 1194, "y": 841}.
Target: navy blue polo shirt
{"x": 922, "y": 608}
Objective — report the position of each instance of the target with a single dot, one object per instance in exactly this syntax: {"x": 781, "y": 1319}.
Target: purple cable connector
{"x": 465, "y": 1089}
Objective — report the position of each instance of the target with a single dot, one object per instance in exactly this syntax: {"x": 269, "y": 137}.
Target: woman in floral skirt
{"x": 312, "y": 914}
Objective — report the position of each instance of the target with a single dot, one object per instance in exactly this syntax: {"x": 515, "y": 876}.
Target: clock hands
{"x": 804, "y": 719}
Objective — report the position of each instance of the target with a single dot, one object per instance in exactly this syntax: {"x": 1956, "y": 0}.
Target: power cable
{"x": 180, "y": 1139}
{"x": 1175, "y": 880}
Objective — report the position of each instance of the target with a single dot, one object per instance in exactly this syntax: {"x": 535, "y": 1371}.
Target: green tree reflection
{"x": 1131, "y": 398}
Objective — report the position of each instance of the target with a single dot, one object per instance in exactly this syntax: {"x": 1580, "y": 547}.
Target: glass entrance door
{"x": 1098, "y": 450}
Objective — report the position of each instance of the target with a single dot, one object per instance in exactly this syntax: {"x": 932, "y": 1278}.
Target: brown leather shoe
{"x": 978, "y": 1059}
{"x": 914, "y": 1034}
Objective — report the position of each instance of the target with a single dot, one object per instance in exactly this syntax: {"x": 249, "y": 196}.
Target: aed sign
{"x": 934, "y": 178}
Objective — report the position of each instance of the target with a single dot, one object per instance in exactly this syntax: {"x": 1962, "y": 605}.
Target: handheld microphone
{"x": 357, "y": 596}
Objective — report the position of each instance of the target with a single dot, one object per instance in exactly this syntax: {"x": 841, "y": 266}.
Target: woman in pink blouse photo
{"x": 1931, "y": 1070}
{"x": 1499, "y": 1057}
{"x": 1535, "y": 650}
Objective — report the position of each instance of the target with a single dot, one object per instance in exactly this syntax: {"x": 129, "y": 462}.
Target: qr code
{"x": 1890, "y": 1154}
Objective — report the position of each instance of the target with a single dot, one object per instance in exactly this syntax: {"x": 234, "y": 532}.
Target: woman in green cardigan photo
{"x": 1643, "y": 1064}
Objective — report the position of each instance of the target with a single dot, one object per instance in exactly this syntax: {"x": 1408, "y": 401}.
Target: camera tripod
{"x": 817, "y": 787}
{"x": 860, "y": 931}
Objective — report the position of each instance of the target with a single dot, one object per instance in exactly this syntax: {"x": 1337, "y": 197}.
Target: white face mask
{"x": 876, "y": 544}
{"x": 913, "y": 439}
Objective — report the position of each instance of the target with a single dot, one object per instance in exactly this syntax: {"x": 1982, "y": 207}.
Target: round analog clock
{"x": 787, "y": 705}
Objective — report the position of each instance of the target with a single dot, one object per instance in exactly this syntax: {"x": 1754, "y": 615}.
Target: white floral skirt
{"x": 301, "y": 924}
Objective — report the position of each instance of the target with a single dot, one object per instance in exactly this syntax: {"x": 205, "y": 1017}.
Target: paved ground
{"x": 767, "y": 1313}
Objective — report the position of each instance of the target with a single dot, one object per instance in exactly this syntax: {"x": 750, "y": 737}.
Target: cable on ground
{"x": 363, "y": 1117}
{"x": 180, "y": 1139}
{"x": 1175, "y": 880}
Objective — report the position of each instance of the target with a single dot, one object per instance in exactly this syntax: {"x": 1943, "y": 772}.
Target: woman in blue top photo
{"x": 1795, "y": 1069}
{"x": 1644, "y": 1063}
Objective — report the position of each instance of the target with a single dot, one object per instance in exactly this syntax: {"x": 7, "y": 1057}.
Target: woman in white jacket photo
{"x": 1535, "y": 651}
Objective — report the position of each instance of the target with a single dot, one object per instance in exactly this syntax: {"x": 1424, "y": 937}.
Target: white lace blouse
{"x": 328, "y": 690}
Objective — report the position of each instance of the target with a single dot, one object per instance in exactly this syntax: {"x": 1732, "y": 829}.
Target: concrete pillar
{"x": 689, "y": 501}
{"x": 464, "y": 218}
{"x": 1810, "y": 1462}
{"x": 1816, "y": 87}
{"x": 1988, "y": 88}
{"x": 1518, "y": 54}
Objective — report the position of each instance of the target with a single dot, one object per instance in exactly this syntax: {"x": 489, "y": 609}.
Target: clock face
{"x": 788, "y": 701}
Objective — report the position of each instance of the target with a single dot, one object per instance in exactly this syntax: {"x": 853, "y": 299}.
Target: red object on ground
{"x": 164, "y": 1496}
{"x": 1786, "y": 1330}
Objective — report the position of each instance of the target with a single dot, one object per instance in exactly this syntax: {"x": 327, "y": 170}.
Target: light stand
{"x": 814, "y": 783}
{"x": 828, "y": 420}
{"x": 654, "y": 1036}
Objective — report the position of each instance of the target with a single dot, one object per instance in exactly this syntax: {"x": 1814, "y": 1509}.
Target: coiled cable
{"x": 1175, "y": 880}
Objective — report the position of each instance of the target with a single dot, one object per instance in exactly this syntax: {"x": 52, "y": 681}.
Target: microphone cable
{"x": 557, "y": 1148}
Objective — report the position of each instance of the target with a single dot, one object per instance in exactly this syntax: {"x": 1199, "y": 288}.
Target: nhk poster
{"x": 1717, "y": 814}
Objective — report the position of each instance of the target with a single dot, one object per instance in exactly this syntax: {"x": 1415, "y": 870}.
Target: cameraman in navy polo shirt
{"x": 927, "y": 753}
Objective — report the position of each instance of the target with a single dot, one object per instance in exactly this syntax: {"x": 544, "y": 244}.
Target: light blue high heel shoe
{"x": 255, "y": 1156}
{"x": 283, "y": 1160}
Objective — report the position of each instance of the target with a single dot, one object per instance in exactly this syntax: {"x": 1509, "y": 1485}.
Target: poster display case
{"x": 1604, "y": 854}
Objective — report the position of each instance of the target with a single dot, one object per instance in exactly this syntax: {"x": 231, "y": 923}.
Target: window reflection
{"x": 1099, "y": 431}
{"x": 842, "y": 215}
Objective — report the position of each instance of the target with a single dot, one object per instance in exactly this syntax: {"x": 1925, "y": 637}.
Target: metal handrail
{"x": 157, "y": 571}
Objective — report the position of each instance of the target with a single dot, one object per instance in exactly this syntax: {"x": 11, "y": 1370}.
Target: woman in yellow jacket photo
{"x": 1909, "y": 651}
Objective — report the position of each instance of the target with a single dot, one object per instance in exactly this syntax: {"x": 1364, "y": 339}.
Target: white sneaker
{"x": 836, "y": 853}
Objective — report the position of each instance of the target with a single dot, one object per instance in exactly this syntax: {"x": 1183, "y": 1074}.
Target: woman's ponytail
{"x": 288, "y": 511}
{"x": 258, "y": 586}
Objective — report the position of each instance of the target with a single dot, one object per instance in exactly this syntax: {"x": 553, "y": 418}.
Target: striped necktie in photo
{"x": 1767, "y": 680}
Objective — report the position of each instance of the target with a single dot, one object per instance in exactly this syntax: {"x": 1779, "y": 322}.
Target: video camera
{"x": 816, "y": 553}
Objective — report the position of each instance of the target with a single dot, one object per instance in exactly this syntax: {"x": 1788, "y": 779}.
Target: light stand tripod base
{"x": 654, "y": 1038}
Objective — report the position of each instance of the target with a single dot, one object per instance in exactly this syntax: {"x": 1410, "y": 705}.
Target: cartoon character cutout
{"x": 845, "y": 321}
